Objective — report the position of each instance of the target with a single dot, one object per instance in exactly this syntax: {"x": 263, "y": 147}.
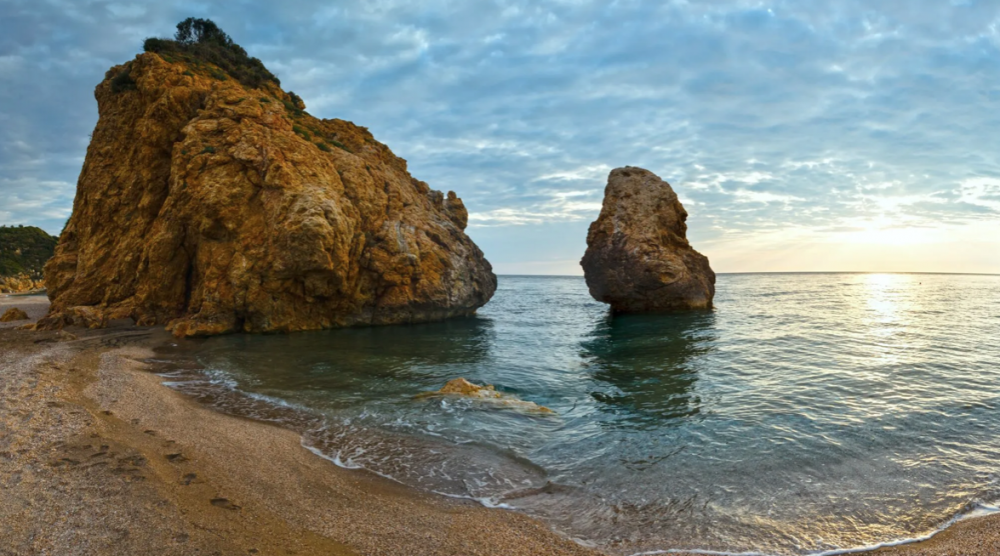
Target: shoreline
{"x": 166, "y": 474}
{"x": 91, "y": 435}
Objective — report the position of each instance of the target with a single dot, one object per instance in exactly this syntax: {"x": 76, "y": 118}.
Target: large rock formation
{"x": 638, "y": 257}
{"x": 212, "y": 206}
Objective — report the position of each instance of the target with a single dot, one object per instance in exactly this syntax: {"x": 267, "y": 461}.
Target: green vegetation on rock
{"x": 202, "y": 40}
{"x": 122, "y": 82}
{"x": 25, "y": 250}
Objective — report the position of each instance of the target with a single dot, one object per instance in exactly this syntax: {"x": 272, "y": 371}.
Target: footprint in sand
{"x": 176, "y": 458}
{"x": 224, "y": 503}
{"x": 188, "y": 479}
{"x": 134, "y": 461}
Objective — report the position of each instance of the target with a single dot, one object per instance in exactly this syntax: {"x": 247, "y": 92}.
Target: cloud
{"x": 553, "y": 206}
{"x": 48, "y": 202}
{"x": 765, "y": 116}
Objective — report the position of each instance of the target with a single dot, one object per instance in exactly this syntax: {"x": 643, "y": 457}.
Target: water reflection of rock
{"x": 645, "y": 366}
{"x": 350, "y": 358}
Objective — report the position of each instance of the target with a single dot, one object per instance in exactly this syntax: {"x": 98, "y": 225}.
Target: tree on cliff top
{"x": 199, "y": 30}
{"x": 202, "y": 40}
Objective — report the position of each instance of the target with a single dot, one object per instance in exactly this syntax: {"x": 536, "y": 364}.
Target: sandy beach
{"x": 97, "y": 457}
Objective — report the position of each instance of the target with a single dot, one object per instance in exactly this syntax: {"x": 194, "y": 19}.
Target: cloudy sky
{"x": 820, "y": 135}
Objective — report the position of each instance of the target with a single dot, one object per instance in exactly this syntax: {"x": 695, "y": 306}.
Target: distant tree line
{"x": 205, "y": 41}
{"x": 24, "y": 250}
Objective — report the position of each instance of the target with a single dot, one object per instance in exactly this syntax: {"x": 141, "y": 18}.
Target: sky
{"x": 828, "y": 135}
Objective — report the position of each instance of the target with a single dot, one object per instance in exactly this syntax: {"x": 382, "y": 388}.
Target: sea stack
{"x": 211, "y": 202}
{"x": 638, "y": 258}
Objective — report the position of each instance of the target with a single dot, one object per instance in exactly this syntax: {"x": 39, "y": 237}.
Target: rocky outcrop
{"x": 638, "y": 258}
{"x": 13, "y": 314}
{"x": 213, "y": 207}
{"x": 20, "y": 283}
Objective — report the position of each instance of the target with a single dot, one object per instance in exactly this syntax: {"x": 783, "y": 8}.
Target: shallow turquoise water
{"x": 807, "y": 412}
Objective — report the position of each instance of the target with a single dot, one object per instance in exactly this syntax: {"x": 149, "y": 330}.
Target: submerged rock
{"x": 13, "y": 314}
{"x": 464, "y": 388}
{"x": 638, "y": 258}
{"x": 213, "y": 207}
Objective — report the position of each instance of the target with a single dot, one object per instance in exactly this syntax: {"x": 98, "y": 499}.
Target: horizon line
{"x": 798, "y": 272}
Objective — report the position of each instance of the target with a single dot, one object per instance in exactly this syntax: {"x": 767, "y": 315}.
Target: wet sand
{"x": 97, "y": 457}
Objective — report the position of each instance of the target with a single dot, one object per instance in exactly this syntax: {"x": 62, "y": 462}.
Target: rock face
{"x": 212, "y": 207}
{"x": 13, "y": 314}
{"x": 638, "y": 258}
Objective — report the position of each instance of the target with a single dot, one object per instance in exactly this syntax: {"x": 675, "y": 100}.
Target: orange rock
{"x": 462, "y": 387}
{"x": 14, "y": 314}
{"x": 213, "y": 208}
{"x": 465, "y": 388}
{"x": 20, "y": 283}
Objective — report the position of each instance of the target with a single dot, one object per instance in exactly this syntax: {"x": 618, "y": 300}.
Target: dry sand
{"x": 971, "y": 537}
{"x": 98, "y": 458}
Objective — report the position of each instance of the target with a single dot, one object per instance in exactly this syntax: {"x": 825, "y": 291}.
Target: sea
{"x": 805, "y": 414}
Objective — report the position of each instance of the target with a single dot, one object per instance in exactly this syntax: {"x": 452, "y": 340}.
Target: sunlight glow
{"x": 877, "y": 233}
{"x": 972, "y": 248}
